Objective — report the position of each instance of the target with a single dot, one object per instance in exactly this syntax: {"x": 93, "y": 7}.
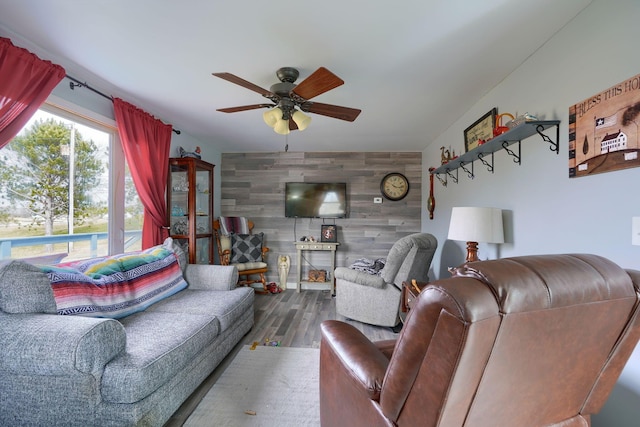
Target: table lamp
{"x": 473, "y": 225}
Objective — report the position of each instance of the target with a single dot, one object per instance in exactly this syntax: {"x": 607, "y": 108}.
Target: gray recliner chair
{"x": 375, "y": 299}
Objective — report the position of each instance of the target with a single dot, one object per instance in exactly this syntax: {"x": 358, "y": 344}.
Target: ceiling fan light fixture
{"x": 272, "y": 116}
{"x": 301, "y": 119}
{"x": 286, "y": 96}
{"x": 282, "y": 127}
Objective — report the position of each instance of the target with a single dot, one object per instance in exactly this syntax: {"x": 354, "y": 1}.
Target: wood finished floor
{"x": 289, "y": 317}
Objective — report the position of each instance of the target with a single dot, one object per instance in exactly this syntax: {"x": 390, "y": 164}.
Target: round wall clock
{"x": 394, "y": 186}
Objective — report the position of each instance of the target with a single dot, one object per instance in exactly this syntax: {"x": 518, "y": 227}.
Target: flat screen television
{"x": 315, "y": 200}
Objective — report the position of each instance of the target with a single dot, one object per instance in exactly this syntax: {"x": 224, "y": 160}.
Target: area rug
{"x": 267, "y": 386}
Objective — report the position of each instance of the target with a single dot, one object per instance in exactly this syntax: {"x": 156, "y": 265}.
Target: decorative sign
{"x": 480, "y": 130}
{"x": 604, "y": 129}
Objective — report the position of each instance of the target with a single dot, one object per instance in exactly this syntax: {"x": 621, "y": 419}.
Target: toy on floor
{"x": 273, "y": 288}
{"x": 270, "y": 343}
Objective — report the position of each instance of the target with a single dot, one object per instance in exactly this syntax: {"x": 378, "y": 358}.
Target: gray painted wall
{"x": 546, "y": 211}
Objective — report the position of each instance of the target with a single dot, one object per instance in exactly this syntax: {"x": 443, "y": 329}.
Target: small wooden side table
{"x": 410, "y": 291}
{"x": 316, "y": 246}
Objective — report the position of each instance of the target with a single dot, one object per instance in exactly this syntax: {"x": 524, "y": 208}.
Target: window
{"x": 95, "y": 214}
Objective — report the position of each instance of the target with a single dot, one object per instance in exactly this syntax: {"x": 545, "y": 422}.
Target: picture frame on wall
{"x": 481, "y": 129}
{"x": 604, "y": 135}
{"x": 328, "y": 233}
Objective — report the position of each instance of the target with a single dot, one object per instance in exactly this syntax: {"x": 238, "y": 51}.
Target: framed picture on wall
{"x": 328, "y": 233}
{"x": 481, "y": 129}
{"x": 604, "y": 135}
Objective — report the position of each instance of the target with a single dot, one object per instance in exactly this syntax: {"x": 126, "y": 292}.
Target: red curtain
{"x": 146, "y": 142}
{"x": 25, "y": 83}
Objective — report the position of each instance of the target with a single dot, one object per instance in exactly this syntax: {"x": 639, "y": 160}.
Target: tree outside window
{"x": 38, "y": 197}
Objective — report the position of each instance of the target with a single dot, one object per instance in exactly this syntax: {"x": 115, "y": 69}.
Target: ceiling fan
{"x": 285, "y": 96}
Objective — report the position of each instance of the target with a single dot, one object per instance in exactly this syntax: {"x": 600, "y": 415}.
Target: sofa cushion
{"x": 116, "y": 286}
{"x": 361, "y": 278}
{"x": 226, "y": 306}
{"x": 24, "y": 288}
{"x": 246, "y": 247}
{"x": 244, "y": 266}
{"x": 158, "y": 346}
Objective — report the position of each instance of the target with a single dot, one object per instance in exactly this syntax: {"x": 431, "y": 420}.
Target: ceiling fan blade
{"x": 293, "y": 125}
{"x": 335, "y": 111}
{"x": 244, "y": 108}
{"x": 321, "y": 81}
{"x": 242, "y": 82}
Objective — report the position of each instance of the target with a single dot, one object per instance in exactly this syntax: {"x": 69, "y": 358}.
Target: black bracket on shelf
{"x": 454, "y": 178}
{"x": 553, "y": 146}
{"x": 516, "y": 157}
{"x": 442, "y": 181}
{"x": 503, "y": 141}
{"x": 484, "y": 162}
{"x": 469, "y": 172}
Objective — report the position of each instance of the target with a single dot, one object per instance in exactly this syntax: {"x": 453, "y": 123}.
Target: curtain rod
{"x": 75, "y": 82}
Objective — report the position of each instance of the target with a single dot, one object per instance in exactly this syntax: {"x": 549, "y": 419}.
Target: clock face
{"x": 394, "y": 186}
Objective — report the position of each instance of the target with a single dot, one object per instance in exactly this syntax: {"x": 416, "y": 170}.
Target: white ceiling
{"x": 412, "y": 67}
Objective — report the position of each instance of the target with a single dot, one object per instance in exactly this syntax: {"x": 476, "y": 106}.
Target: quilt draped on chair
{"x": 234, "y": 224}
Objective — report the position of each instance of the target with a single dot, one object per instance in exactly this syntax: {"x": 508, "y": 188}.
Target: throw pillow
{"x": 24, "y": 288}
{"x": 246, "y": 247}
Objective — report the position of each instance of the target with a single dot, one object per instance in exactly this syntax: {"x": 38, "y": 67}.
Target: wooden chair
{"x": 252, "y": 267}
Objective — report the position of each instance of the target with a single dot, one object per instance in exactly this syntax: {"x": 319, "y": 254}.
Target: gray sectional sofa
{"x": 69, "y": 370}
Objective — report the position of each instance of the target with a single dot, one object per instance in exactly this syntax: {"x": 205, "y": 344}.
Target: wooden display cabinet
{"x": 190, "y": 207}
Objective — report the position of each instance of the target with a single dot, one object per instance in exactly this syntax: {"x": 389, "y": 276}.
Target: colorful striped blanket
{"x": 115, "y": 286}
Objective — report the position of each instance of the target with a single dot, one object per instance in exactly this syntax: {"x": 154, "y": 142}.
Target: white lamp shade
{"x": 272, "y": 116}
{"x": 282, "y": 127}
{"x": 301, "y": 119}
{"x": 472, "y": 224}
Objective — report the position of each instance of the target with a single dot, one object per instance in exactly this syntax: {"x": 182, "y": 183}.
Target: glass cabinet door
{"x": 179, "y": 201}
{"x": 190, "y": 207}
{"x": 203, "y": 202}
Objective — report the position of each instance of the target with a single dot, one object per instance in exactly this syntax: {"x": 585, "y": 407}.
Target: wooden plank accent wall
{"x": 253, "y": 186}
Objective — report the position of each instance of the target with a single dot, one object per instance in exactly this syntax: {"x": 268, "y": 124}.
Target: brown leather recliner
{"x": 526, "y": 341}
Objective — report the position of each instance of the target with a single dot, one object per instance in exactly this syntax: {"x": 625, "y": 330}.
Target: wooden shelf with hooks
{"x": 484, "y": 152}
